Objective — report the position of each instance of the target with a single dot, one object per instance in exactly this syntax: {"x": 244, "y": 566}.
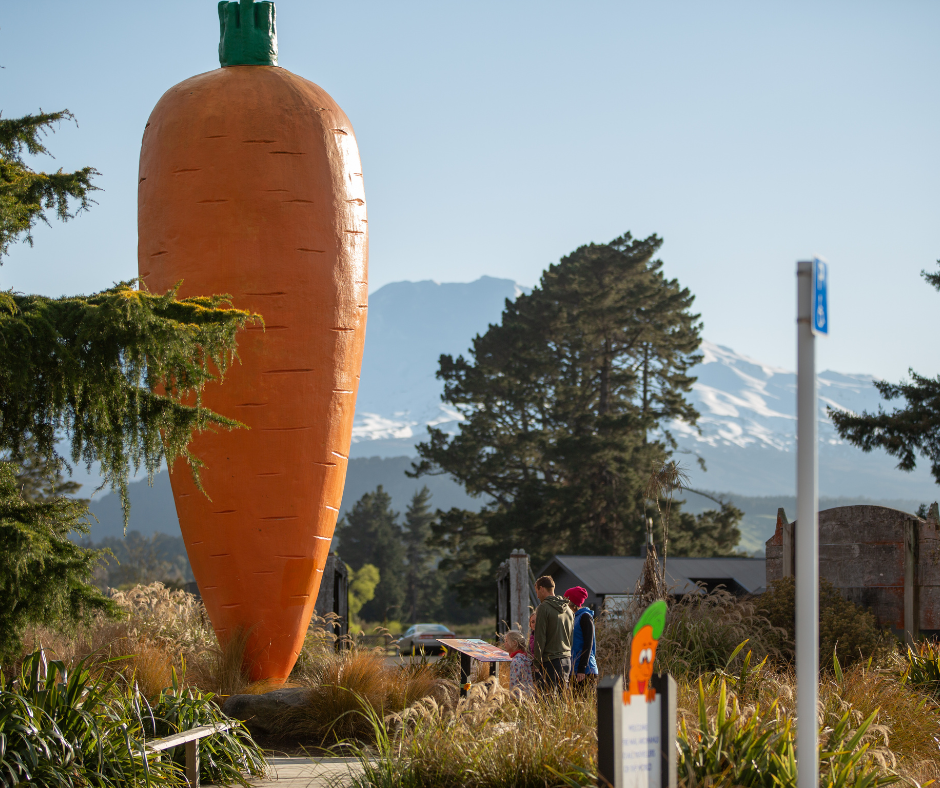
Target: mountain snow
{"x": 746, "y": 433}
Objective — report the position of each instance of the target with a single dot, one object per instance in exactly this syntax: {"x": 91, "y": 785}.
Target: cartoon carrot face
{"x": 646, "y": 636}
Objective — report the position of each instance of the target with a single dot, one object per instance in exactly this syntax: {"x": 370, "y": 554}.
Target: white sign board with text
{"x": 641, "y": 744}
{"x": 636, "y": 737}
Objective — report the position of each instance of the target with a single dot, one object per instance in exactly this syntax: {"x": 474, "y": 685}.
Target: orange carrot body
{"x": 250, "y": 184}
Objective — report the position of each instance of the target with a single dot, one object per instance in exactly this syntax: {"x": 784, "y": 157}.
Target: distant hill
{"x": 153, "y": 510}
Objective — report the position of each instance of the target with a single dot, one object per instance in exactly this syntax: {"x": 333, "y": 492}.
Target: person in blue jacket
{"x": 583, "y": 642}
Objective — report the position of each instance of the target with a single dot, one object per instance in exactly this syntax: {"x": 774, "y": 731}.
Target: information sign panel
{"x": 820, "y": 296}
{"x": 480, "y": 650}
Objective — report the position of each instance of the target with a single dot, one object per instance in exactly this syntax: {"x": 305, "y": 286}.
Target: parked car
{"x": 423, "y": 636}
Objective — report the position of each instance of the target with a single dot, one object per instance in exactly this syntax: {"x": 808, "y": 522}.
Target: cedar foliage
{"x": 906, "y": 431}
{"x": 566, "y": 407}
{"x": 40, "y": 478}
{"x": 119, "y": 373}
{"x": 25, "y": 195}
{"x": 93, "y": 367}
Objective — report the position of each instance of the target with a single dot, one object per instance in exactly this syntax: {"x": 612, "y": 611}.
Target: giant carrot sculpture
{"x": 250, "y": 184}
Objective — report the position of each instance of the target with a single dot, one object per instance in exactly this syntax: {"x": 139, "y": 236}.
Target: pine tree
{"x": 714, "y": 532}
{"x": 424, "y": 585}
{"x": 370, "y": 534}
{"x": 904, "y": 432}
{"x": 119, "y": 373}
{"x": 566, "y": 405}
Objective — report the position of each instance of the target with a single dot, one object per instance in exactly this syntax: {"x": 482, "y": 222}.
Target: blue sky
{"x": 497, "y": 137}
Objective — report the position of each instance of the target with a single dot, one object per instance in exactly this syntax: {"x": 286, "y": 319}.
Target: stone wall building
{"x": 883, "y": 559}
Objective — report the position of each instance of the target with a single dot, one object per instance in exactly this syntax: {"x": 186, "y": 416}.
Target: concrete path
{"x": 310, "y": 772}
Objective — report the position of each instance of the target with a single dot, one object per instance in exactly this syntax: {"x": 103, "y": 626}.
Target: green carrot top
{"x": 248, "y": 33}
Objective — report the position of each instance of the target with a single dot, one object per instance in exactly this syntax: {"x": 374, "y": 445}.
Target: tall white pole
{"x": 807, "y": 536}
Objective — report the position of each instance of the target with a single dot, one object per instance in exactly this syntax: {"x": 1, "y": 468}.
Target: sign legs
{"x": 465, "y": 665}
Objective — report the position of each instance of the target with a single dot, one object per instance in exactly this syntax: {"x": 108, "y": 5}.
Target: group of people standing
{"x": 561, "y": 646}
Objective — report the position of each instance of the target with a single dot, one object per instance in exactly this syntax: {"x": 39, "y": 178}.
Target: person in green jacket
{"x": 554, "y": 622}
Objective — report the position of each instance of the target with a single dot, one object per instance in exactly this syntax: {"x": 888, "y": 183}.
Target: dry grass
{"x": 910, "y": 719}
{"x": 904, "y": 725}
{"x": 489, "y": 739}
{"x": 222, "y": 669}
{"x": 433, "y": 738}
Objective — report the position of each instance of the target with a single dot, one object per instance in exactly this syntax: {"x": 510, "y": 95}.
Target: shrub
{"x": 844, "y": 628}
{"x": 223, "y": 757}
{"x": 61, "y": 727}
{"x": 922, "y": 668}
{"x": 65, "y": 727}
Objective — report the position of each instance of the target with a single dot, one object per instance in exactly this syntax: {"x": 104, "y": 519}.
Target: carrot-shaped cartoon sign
{"x": 646, "y": 636}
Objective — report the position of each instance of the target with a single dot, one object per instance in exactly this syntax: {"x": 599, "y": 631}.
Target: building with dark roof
{"x": 617, "y": 576}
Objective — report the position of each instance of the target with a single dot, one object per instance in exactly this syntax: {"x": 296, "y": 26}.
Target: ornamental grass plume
{"x": 702, "y": 633}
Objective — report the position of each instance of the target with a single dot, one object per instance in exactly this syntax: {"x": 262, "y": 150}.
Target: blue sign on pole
{"x": 820, "y": 296}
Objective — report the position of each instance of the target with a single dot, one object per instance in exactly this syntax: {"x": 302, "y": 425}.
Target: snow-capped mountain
{"x": 746, "y": 433}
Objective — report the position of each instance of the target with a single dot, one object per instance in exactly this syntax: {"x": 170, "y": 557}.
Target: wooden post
{"x": 519, "y": 591}
{"x": 911, "y": 607}
{"x": 665, "y": 686}
{"x": 192, "y": 763}
{"x": 612, "y": 743}
{"x": 465, "y": 667}
{"x": 503, "y": 618}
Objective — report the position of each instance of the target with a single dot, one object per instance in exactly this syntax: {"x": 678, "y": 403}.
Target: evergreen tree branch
{"x": 120, "y": 373}
{"x": 903, "y": 432}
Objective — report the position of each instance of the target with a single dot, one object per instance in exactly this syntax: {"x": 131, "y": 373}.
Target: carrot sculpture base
{"x": 250, "y": 184}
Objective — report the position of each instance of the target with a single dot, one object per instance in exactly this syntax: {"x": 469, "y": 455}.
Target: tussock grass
{"x": 346, "y": 687}
{"x": 221, "y": 668}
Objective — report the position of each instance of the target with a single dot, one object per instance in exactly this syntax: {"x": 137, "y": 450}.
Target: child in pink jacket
{"x": 520, "y": 669}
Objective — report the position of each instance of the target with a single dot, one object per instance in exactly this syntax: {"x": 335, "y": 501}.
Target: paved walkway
{"x": 310, "y": 772}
